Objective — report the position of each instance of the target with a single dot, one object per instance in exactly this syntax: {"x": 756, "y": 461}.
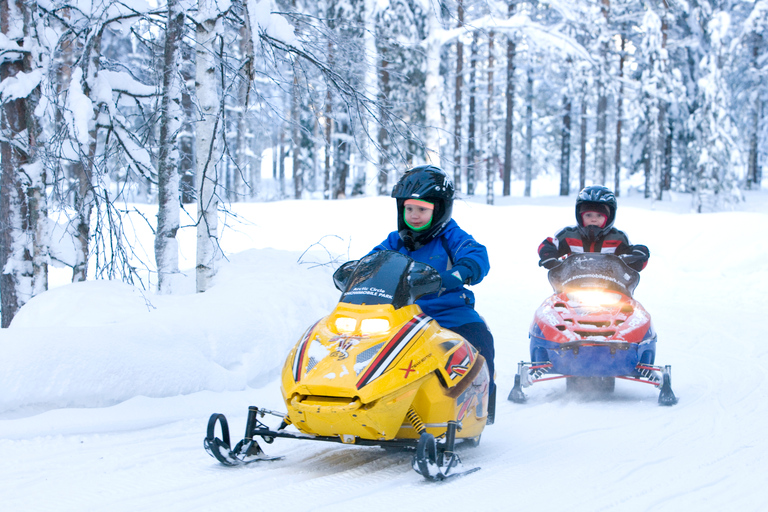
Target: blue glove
{"x": 455, "y": 277}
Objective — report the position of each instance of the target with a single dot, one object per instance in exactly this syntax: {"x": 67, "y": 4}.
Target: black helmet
{"x": 428, "y": 183}
{"x": 601, "y": 199}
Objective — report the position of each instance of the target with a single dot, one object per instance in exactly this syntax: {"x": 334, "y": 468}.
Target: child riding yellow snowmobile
{"x": 376, "y": 371}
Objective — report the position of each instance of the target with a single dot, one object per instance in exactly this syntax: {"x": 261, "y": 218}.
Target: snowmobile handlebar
{"x": 593, "y": 270}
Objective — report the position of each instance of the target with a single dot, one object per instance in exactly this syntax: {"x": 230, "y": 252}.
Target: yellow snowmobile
{"x": 376, "y": 371}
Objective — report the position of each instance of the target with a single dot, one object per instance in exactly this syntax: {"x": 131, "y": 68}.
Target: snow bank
{"x": 97, "y": 343}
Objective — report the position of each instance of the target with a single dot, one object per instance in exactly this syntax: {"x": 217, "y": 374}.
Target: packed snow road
{"x": 88, "y": 423}
{"x": 557, "y": 451}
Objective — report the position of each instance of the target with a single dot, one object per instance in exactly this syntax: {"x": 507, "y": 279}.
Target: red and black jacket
{"x": 569, "y": 240}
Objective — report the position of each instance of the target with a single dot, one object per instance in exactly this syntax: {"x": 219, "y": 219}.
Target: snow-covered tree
{"x": 432, "y": 43}
{"x": 23, "y": 204}
{"x": 750, "y": 78}
{"x": 209, "y": 139}
{"x": 491, "y": 138}
{"x": 715, "y": 180}
{"x": 166, "y": 245}
{"x": 653, "y": 83}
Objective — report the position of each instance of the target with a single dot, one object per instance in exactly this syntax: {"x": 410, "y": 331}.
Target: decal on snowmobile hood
{"x": 394, "y": 348}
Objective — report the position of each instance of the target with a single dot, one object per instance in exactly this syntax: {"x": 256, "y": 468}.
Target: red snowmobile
{"x": 591, "y": 331}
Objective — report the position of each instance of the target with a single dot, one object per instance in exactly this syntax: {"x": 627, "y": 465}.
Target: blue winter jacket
{"x": 452, "y": 247}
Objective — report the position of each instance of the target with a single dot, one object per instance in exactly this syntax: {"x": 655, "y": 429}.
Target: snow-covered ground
{"x": 105, "y": 390}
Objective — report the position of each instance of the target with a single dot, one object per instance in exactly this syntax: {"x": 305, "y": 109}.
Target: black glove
{"x": 636, "y": 258}
{"x": 549, "y": 263}
{"x": 631, "y": 259}
{"x": 548, "y": 254}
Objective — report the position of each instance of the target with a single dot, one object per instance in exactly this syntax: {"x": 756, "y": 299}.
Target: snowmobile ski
{"x": 516, "y": 395}
{"x": 245, "y": 452}
{"x": 666, "y": 396}
{"x": 439, "y": 462}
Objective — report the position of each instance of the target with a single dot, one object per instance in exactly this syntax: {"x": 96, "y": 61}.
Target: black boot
{"x": 491, "y": 406}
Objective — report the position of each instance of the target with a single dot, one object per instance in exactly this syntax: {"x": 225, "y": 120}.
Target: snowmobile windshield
{"x": 594, "y": 271}
{"x": 386, "y": 277}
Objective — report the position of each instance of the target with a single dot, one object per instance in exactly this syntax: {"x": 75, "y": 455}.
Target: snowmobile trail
{"x": 555, "y": 452}
{"x": 620, "y": 451}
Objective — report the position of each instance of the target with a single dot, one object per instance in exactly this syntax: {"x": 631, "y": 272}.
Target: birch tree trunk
{"x": 583, "y": 140}
{"x": 186, "y": 137}
{"x": 298, "y": 170}
{"x": 275, "y": 150}
{"x": 35, "y": 172}
{"x": 754, "y": 174}
{"x": 342, "y": 158}
{"x": 490, "y": 152}
{"x": 14, "y": 256}
{"x": 647, "y": 169}
{"x": 242, "y": 177}
{"x": 371, "y": 81}
{"x": 328, "y": 134}
{"x": 667, "y": 181}
{"x": 207, "y": 150}
{"x": 661, "y": 150}
{"x": 510, "y": 107}
{"x": 654, "y": 149}
{"x": 281, "y": 161}
{"x": 255, "y": 167}
{"x": 600, "y": 132}
{"x": 433, "y": 86}
{"x": 11, "y": 200}
{"x": 23, "y": 207}
{"x": 83, "y": 170}
{"x": 472, "y": 128}
{"x": 602, "y": 97}
{"x": 83, "y": 209}
{"x": 457, "y": 103}
{"x": 529, "y": 132}
{"x": 651, "y": 101}
{"x": 565, "y": 147}
{"x": 327, "y": 185}
{"x": 619, "y": 119}
{"x": 753, "y": 169}
{"x": 382, "y": 183}
{"x": 166, "y": 245}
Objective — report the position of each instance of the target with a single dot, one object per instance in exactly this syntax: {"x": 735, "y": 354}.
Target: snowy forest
{"x": 109, "y": 104}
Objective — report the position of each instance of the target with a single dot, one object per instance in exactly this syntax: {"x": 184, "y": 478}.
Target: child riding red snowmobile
{"x": 591, "y": 331}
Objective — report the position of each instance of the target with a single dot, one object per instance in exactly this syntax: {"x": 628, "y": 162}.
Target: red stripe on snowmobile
{"x": 395, "y": 346}
{"x": 458, "y": 368}
{"x": 301, "y": 352}
{"x": 460, "y": 361}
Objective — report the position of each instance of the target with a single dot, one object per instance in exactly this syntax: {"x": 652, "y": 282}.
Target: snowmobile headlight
{"x": 345, "y": 324}
{"x": 594, "y": 297}
{"x": 374, "y": 325}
